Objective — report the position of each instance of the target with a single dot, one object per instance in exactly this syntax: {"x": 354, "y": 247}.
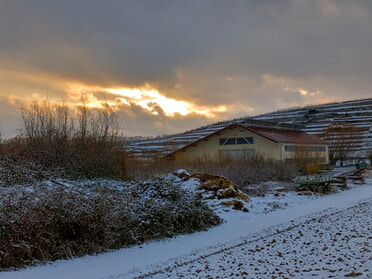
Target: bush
{"x": 15, "y": 171}
{"x": 53, "y": 220}
{"x": 84, "y": 142}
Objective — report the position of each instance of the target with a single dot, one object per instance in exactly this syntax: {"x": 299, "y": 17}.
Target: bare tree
{"x": 96, "y": 138}
{"x": 84, "y": 142}
{"x": 107, "y": 124}
{"x": 82, "y": 120}
{"x": 96, "y": 124}
{"x": 343, "y": 139}
{"x": 46, "y": 129}
{"x": 64, "y": 123}
{"x": 1, "y": 144}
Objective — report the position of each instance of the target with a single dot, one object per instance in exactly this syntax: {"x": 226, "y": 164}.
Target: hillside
{"x": 315, "y": 118}
{"x": 311, "y": 119}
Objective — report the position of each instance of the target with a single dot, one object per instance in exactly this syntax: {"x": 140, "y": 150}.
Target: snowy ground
{"x": 330, "y": 246}
{"x": 282, "y": 236}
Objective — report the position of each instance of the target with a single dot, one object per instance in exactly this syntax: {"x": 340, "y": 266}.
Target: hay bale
{"x": 183, "y": 174}
{"x": 222, "y": 188}
{"x": 216, "y": 187}
{"x": 237, "y": 205}
{"x": 216, "y": 184}
{"x": 203, "y": 177}
{"x": 226, "y": 193}
{"x": 242, "y": 196}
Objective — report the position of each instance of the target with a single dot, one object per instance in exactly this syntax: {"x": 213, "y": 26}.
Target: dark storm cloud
{"x": 125, "y": 41}
{"x": 137, "y": 40}
{"x": 242, "y": 53}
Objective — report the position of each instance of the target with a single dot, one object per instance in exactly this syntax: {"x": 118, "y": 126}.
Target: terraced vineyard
{"x": 311, "y": 119}
{"x": 316, "y": 118}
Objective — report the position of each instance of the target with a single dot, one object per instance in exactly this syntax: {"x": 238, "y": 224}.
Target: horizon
{"x": 229, "y": 120}
{"x": 169, "y": 67}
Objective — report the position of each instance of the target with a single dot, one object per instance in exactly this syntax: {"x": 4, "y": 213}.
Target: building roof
{"x": 273, "y": 134}
{"x": 285, "y": 136}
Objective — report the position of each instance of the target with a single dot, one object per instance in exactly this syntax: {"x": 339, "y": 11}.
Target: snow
{"x": 357, "y": 112}
{"x": 283, "y": 235}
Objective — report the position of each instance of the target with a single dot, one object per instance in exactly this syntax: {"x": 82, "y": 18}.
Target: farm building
{"x": 244, "y": 141}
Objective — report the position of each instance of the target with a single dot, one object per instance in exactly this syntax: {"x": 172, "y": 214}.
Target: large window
{"x": 304, "y": 148}
{"x": 289, "y": 148}
{"x": 242, "y": 140}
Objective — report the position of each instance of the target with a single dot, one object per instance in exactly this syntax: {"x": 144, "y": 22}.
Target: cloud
{"x": 302, "y": 91}
{"x": 9, "y": 121}
{"x": 248, "y": 57}
{"x": 136, "y": 120}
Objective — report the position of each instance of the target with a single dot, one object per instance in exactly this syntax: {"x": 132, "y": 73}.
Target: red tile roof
{"x": 286, "y": 136}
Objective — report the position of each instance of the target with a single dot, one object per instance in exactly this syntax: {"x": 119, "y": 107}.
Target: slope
{"x": 311, "y": 119}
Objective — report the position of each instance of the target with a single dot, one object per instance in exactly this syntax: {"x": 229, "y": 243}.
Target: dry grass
{"x": 246, "y": 172}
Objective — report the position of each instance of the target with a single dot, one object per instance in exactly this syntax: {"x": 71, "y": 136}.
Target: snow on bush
{"x": 54, "y": 219}
{"x": 13, "y": 171}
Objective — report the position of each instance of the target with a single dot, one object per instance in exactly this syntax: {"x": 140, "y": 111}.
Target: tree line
{"x": 88, "y": 142}
{"x": 82, "y": 142}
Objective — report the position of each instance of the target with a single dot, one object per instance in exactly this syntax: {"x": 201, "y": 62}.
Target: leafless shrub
{"x": 344, "y": 138}
{"x": 84, "y": 143}
{"x": 49, "y": 221}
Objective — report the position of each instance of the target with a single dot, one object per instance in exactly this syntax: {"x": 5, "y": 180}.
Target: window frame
{"x": 236, "y": 141}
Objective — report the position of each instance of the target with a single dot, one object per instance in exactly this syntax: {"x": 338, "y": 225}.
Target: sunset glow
{"x": 164, "y": 72}
{"x": 149, "y": 99}
{"x": 146, "y": 97}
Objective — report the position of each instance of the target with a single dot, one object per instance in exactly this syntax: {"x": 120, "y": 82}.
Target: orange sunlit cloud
{"x": 146, "y": 97}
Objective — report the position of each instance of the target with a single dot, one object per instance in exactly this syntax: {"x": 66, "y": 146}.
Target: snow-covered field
{"x": 282, "y": 236}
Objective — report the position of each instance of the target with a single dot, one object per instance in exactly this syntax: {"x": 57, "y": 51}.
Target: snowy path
{"x": 348, "y": 213}
{"x": 330, "y": 246}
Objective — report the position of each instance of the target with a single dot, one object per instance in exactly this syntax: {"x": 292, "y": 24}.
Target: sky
{"x": 171, "y": 66}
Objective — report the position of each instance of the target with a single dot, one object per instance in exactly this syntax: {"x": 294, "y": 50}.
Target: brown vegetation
{"x": 49, "y": 220}
{"x": 44, "y": 218}
{"x": 247, "y": 171}
{"x": 343, "y": 139}
{"x": 214, "y": 187}
{"x": 81, "y": 143}
{"x": 44, "y": 222}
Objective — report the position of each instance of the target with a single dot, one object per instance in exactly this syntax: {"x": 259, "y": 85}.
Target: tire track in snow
{"x": 203, "y": 264}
